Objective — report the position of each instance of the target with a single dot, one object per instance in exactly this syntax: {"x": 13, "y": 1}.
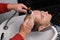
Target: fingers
{"x": 29, "y": 22}
{"x": 26, "y": 21}
{"x": 23, "y": 10}
{"x": 23, "y": 6}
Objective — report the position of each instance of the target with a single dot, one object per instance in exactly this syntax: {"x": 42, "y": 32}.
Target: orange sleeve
{"x": 3, "y": 8}
{"x": 17, "y": 37}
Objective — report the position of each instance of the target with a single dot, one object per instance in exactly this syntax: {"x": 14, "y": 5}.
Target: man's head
{"x": 43, "y": 18}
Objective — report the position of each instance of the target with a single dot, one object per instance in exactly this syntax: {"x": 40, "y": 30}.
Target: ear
{"x": 41, "y": 28}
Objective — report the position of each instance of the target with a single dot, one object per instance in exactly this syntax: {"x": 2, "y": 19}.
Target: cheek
{"x": 48, "y": 18}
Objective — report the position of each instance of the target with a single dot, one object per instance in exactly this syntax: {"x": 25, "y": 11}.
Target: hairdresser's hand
{"x": 43, "y": 18}
{"x": 26, "y": 27}
{"x": 17, "y": 7}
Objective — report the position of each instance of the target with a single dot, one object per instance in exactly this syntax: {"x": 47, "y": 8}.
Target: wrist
{"x": 23, "y": 34}
{"x": 10, "y": 6}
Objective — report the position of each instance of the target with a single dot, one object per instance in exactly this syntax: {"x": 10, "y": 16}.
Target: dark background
{"x": 52, "y": 6}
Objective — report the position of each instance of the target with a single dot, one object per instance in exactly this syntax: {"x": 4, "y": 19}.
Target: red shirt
{"x": 3, "y": 9}
{"x": 17, "y": 37}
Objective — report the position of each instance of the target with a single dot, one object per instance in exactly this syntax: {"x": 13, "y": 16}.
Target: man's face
{"x": 42, "y": 17}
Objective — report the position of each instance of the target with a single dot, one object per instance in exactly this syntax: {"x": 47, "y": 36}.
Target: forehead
{"x": 37, "y": 13}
